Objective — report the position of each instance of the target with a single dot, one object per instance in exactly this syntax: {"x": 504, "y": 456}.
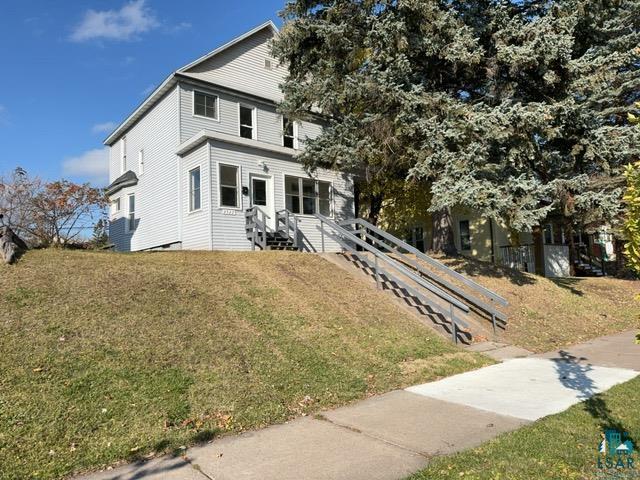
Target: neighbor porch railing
{"x": 519, "y": 257}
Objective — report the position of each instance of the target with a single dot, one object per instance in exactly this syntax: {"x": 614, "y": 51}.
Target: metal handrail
{"x": 455, "y": 322}
{"x": 440, "y": 266}
{"x": 487, "y": 307}
{"x": 393, "y": 263}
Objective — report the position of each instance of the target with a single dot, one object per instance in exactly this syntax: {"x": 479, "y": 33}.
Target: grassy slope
{"x": 563, "y": 446}
{"x": 108, "y": 357}
{"x": 545, "y": 314}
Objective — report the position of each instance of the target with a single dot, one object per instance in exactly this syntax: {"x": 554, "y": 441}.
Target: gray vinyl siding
{"x": 157, "y": 190}
{"x": 114, "y": 162}
{"x": 268, "y": 120}
{"x": 196, "y": 225}
{"x": 229, "y": 224}
{"x": 242, "y": 67}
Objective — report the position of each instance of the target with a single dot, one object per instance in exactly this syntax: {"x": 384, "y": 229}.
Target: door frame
{"x": 269, "y": 210}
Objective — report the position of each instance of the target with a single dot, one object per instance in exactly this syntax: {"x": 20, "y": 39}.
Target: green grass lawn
{"x": 562, "y": 446}
{"x": 108, "y": 357}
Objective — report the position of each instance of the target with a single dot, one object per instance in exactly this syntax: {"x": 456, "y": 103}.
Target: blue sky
{"x": 72, "y": 70}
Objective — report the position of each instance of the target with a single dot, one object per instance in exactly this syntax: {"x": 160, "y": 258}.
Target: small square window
{"x": 205, "y": 105}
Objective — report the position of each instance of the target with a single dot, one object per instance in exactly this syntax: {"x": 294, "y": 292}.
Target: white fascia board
{"x": 203, "y": 135}
{"x": 148, "y": 102}
{"x": 231, "y": 43}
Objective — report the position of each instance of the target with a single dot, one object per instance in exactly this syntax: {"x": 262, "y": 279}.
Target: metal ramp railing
{"x": 445, "y": 280}
{"x": 391, "y": 269}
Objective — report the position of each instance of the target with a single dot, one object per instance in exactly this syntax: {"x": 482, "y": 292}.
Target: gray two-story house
{"x": 206, "y": 162}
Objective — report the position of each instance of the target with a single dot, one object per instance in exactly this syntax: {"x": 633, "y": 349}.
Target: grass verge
{"x": 546, "y": 314}
{"x": 110, "y": 357}
{"x": 562, "y": 446}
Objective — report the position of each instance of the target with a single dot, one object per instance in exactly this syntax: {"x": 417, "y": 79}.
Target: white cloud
{"x": 92, "y": 166}
{"x": 125, "y": 24}
{"x": 105, "y": 127}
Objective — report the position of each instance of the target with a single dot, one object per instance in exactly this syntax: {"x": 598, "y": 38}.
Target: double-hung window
{"x": 194, "y": 189}
{"x": 247, "y": 122}
{"x": 205, "y": 105}
{"x": 307, "y": 196}
{"x": 228, "y": 175}
{"x": 131, "y": 213}
{"x": 465, "y": 235}
{"x": 289, "y": 133}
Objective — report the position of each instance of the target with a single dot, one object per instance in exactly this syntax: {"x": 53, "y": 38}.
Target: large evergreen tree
{"x": 514, "y": 109}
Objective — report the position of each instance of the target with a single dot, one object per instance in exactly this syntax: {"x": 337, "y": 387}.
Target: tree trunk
{"x": 442, "y": 232}
{"x": 11, "y": 246}
{"x": 538, "y": 249}
{"x": 375, "y": 206}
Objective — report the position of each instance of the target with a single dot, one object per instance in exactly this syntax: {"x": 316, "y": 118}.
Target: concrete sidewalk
{"x": 392, "y": 435}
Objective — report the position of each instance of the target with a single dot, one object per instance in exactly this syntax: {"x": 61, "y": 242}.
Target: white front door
{"x": 262, "y": 197}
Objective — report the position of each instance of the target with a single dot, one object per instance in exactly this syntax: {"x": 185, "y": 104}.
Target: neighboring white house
{"x": 206, "y": 146}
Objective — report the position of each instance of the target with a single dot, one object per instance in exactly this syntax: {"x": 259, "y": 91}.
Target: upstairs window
{"x": 131, "y": 213}
{"x": 289, "y": 137}
{"x": 194, "y": 189}
{"x": 205, "y": 105}
{"x": 307, "y": 196}
{"x": 465, "y": 235}
{"x": 247, "y": 122}
{"x": 228, "y": 175}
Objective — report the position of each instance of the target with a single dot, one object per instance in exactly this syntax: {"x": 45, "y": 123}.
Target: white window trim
{"x": 296, "y": 144}
{"x": 316, "y": 180}
{"x": 254, "y": 120}
{"x": 238, "y": 189}
{"x": 195, "y": 210}
{"x": 141, "y": 161}
{"x": 123, "y": 155}
{"x": 193, "y": 105}
{"x": 116, "y": 206}
{"x": 128, "y": 228}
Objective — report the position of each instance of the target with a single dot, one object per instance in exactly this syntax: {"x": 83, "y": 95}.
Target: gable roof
{"x": 169, "y": 82}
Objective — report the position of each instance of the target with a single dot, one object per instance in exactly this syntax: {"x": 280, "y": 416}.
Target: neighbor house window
{"x": 548, "y": 233}
{"x": 123, "y": 154}
{"x": 228, "y": 186}
{"x": 194, "y": 189}
{"x": 131, "y": 214}
{"x": 289, "y": 133}
{"x": 307, "y": 196}
{"x": 247, "y": 127}
{"x": 205, "y": 105}
{"x": 140, "y": 162}
{"x": 465, "y": 235}
{"x": 115, "y": 206}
